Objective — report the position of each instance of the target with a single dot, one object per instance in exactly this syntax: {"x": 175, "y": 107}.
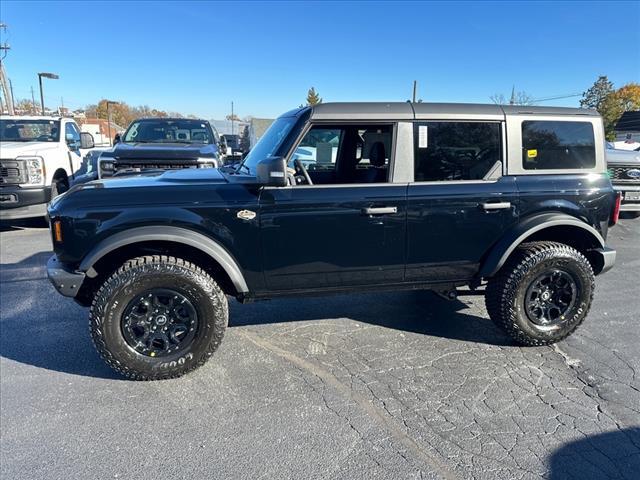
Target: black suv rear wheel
{"x": 158, "y": 317}
{"x": 542, "y": 293}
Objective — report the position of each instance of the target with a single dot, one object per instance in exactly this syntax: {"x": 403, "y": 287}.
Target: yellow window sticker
{"x": 532, "y": 153}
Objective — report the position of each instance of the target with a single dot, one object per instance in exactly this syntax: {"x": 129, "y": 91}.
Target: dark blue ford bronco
{"x": 345, "y": 197}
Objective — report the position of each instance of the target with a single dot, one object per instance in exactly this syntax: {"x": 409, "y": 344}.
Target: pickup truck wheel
{"x": 542, "y": 293}
{"x": 58, "y": 186}
{"x": 158, "y": 317}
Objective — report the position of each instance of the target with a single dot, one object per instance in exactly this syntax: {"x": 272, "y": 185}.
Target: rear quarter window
{"x": 556, "y": 145}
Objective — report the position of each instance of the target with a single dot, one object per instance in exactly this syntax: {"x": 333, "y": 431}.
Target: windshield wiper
{"x": 241, "y": 166}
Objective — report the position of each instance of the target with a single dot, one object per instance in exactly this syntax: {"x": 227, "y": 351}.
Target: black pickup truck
{"x": 512, "y": 201}
{"x": 161, "y": 144}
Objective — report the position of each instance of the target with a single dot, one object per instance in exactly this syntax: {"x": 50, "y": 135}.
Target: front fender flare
{"x": 167, "y": 234}
{"x": 514, "y": 237}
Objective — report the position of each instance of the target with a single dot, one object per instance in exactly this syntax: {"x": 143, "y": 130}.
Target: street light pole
{"x": 53, "y": 76}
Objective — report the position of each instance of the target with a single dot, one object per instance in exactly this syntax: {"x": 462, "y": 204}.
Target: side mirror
{"x": 272, "y": 172}
{"x": 116, "y": 138}
{"x": 86, "y": 140}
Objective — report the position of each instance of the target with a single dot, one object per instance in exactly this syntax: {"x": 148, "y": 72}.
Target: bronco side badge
{"x": 246, "y": 215}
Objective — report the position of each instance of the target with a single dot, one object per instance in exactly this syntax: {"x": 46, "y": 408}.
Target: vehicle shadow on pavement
{"x": 13, "y": 225}
{"x": 613, "y": 454}
{"x": 418, "y": 311}
{"x": 38, "y": 327}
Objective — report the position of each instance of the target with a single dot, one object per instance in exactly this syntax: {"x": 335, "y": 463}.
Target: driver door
{"x": 72, "y": 137}
{"x": 346, "y": 229}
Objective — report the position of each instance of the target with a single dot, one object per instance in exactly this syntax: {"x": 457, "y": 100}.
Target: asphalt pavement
{"x": 386, "y": 385}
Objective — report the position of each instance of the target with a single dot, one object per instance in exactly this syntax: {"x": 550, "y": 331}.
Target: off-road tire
{"x": 148, "y": 272}
{"x": 505, "y": 294}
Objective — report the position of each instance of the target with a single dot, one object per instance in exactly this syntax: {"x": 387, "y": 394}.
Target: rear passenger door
{"x": 459, "y": 204}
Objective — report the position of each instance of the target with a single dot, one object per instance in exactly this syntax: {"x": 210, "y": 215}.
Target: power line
{"x": 557, "y": 97}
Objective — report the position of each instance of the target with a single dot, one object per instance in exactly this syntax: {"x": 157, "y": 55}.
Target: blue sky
{"x": 198, "y": 57}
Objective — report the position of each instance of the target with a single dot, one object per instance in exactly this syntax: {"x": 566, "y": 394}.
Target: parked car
{"x": 420, "y": 196}
{"x": 624, "y": 169}
{"x": 40, "y": 156}
{"x": 162, "y": 144}
{"x": 233, "y": 151}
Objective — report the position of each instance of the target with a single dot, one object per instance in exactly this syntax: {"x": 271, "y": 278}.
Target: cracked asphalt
{"x": 391, "y": 386}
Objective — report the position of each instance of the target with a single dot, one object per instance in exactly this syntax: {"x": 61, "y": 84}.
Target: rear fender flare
{"x": 509, "y": 242}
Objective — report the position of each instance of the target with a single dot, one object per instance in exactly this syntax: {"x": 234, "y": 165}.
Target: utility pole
{"x": 415, "y": 88}
{"x": 109, "y": 103}
{"x": 4, "y": 84}
{"x": 13, "y": 98}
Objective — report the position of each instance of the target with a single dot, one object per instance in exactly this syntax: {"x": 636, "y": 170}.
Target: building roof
{"x": 410, "y": 111}
{"x": 629, "y": 122}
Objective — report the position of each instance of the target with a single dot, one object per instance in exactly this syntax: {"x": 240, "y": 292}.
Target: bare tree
{"x": 517, "y": 98}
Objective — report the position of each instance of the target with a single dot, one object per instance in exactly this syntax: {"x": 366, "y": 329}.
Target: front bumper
{"x": 17, "y": 202}
{"x": 628, "y": 206}
{"x": 66, "y": 281}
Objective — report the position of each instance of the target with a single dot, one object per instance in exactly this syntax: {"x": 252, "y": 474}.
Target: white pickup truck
{"x": 38, "y": 159}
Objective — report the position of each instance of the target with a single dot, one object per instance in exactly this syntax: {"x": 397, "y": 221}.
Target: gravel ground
{"x": 393, "y": 385}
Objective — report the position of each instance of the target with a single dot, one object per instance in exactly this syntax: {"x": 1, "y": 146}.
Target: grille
{"x": 621, "y": 173}
{"x": 163, "y": 166}
{"x": 12, "y": 171}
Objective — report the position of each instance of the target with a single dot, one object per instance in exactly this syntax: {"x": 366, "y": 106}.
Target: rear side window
{"x": 553, "y": 145}
{"x": 449, "y": 151}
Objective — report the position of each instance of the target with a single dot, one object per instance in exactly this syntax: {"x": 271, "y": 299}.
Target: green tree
{"x": 595, "y": 96}
{"x": 625, "y": 99}
{"x": 312, "y": 97}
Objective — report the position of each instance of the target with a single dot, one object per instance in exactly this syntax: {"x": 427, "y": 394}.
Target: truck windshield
{"x": 268, "y": 143}
{"x": 169, "y": 131}
{"x": 23, "y": 130}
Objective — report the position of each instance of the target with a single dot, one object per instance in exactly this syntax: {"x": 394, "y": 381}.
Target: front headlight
{"x": 106, "y": 167}
{"x": 34, "y": 169}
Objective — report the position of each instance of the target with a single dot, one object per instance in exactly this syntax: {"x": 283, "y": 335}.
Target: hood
{"x": 18, "y": 149}
{"x": 174, "y": 187}
{"x": 622, "y": 157}
{"x": 166, "y": 179}
{"x": 163, "y": 151}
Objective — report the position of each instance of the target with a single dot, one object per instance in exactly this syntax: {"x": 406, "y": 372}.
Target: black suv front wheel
{"x": 158, "y": 317}
{"x": 542, "y": 293}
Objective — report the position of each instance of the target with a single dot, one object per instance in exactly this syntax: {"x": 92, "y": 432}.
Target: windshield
{"x": 17, "y": 130}
{"x": 268, "y": 143}
{"x": 169, "y": 131}
{"x": 232, "y": 140}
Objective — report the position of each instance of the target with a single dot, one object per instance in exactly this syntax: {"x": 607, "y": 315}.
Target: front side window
{"x": 29, "y": 130}
{"x": 449, "y": 151}
{"x": 345, "y": 153}
{"x": 71, "y": 133}
{"x": 555, "y": 145}
{"x": 169, "y": 131}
